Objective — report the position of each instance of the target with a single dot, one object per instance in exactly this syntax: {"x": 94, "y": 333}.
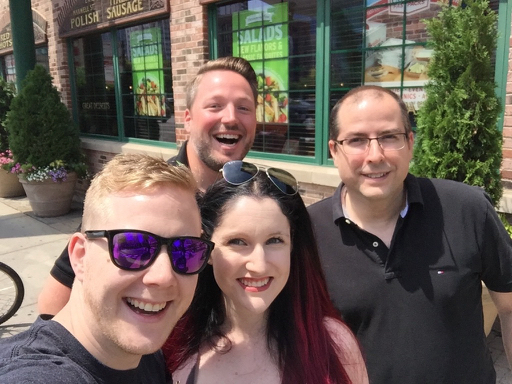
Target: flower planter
{"x": 10, "y": 186}
{"x": 48, "y": 198}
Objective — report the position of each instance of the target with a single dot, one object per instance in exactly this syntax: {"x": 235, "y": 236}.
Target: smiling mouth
{"x": 376, "y": 175}
{"x": 227, "y": 138}
{"x": 144, "y": 307}
{"x": 254, "y": 283}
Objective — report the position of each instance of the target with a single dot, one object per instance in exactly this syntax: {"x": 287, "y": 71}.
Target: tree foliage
{"x": 6, "y": 96}
{"x": 39, "y": 124}
{"x": 457, "y": 135}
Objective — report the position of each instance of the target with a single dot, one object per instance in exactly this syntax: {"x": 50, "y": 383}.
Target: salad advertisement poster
{"x": 148, "y": 76}
{"x": 263, "y": 34}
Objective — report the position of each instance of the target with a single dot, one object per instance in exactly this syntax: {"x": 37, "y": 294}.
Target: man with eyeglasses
{"x": 140, "y": 221}
{"x": 404, "y": 257}
{"x": 221, "y": 120}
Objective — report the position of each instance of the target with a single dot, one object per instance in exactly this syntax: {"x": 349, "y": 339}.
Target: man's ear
{"x": 76, "y": 250}
{"x": 332, "y": 147}
{"x": 410, "y": 139}
{"x": 188, "y": 117}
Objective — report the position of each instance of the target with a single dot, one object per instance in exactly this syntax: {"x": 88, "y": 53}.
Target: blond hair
{"x": 139, "y": 173}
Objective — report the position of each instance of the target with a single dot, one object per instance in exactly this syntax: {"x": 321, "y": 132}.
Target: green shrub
{"x": 457, "y": 136}
{"x": 6, "y": 96}
{"x": 40, "y": 128}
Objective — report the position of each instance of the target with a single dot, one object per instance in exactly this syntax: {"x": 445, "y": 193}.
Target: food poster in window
{"x": 147, "y": 69}
{"x": 396, "y": 57}
{"x": 261, "y": 37}
{"x": 412, "y": 97}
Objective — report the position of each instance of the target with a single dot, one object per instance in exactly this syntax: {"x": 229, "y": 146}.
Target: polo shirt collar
{"x": 413, "y": 196}
{"x": 182, "y": 155}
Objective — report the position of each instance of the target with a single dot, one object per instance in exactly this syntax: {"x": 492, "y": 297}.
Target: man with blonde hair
{"x": 221, "y": 120}
{"x": 136, "y": 262}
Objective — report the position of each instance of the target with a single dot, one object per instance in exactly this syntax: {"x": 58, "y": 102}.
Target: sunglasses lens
{"x": 239, "y": 172}
{"x": 133, "y": 250}
{"x": 283, "y": 180}
{"x": 189, "y": 255}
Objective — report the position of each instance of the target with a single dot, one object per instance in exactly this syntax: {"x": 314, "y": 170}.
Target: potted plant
{"x": 9, "y": 183}
{"x": 457, "y": 135}
{"x": 45, "y": 145}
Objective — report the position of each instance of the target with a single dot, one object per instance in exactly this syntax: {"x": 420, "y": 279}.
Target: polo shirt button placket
{"x": 375, "y": 244}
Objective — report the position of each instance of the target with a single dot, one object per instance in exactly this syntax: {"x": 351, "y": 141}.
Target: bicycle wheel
{"x": 11, "y": 292}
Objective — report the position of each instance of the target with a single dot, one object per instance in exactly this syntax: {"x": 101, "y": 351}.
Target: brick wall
{"x": 311, "y": 193}
{"x": 506, "y": 169}
{"x": 189, "y": 50}
{"x": 415, "y": 28}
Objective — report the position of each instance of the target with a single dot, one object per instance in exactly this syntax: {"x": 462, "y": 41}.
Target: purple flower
{"x": 59, "y": 174}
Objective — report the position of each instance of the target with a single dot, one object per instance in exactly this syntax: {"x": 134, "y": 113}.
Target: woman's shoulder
{"x": 185, "y": 371}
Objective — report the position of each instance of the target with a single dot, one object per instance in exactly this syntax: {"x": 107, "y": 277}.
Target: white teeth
{"x": 148, "y": 307}
{"x": 227, "y": 136}
{"x": 375, "y": 175}
{"x": 252, "y": 283}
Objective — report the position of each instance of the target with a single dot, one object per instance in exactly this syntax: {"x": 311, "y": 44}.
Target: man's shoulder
{"x": 321, "y": 206}
{"x": 450, "y": 189}
{"x": 41, "y": 369}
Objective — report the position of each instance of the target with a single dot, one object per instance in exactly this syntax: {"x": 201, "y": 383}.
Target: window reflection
{"x": 144, "y": 67}
{"x": 279, "y": 39}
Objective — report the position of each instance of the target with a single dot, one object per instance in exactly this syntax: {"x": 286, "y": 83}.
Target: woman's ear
{"x": 76, "y": 250}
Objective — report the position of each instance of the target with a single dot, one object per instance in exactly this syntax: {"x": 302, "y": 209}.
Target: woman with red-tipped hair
{"x": 261, "y": 312}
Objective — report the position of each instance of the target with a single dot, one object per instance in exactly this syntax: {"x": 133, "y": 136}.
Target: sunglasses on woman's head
{"x": 135, "y": 250}
{"x": 238, "y": 172}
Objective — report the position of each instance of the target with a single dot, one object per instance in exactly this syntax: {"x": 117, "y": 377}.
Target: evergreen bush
{"x": 42, "y": 135}
{"x": 457, "y": 137}
{"x": 6, "y": 96}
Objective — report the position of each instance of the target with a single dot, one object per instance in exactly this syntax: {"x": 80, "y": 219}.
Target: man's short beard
{"x": 204, "y": 153}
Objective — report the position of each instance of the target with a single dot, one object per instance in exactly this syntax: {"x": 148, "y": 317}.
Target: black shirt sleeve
{"x": 61, "y": 270}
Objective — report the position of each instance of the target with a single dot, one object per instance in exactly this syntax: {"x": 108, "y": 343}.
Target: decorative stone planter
{"x": 10, "y": 186}
{"x": 48, "y": 198}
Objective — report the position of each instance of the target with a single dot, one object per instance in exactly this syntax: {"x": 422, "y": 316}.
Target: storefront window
{"x": 9, "y": 70}
{"x": 94, "y": 78}
{"x": 380, "y": 42}
{"x": 143, "y": 58}
{"x": 279, "y": 39}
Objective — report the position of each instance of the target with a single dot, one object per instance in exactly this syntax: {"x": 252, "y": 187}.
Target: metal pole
{"x": 23, "y": 42}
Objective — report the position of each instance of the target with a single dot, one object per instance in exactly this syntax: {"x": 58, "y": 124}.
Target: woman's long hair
{"x": 306, "y": 352}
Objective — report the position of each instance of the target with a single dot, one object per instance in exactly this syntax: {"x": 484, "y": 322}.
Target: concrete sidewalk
{"x": 30, "y": 245}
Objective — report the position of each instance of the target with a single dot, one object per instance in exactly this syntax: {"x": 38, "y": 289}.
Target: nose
{"x": 375, "y": 152}
{"x": 256, "y": 260}
{"x": 229, "y": 116}
{"x": 160, "y": 272}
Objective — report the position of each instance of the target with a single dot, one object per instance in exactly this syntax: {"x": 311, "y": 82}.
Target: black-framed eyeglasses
{"x": 135, "y": 250}
{"x": 238, "y": 172}
{"x": 359, "y": 145}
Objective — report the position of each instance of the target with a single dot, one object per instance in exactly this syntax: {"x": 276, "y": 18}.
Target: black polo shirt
{"x": 62, "y": 271}
{"x": 416, "y": 306}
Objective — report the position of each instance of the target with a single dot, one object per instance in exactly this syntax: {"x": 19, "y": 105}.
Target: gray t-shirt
{"x": 48, "y": 353}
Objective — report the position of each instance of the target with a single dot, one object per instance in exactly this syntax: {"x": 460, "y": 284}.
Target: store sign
{"x": 79, "y": 15}
{"x": 396, "y": 7}
{"x": 263, "y": 35}
{"x": 148, "y": 76}
{"x": 39, "y": 23}
{"x": 412, "y": 97}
